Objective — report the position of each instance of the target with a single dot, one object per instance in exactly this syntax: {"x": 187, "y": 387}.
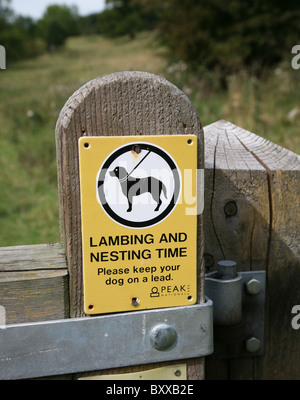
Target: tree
{"x": 6, "y": 14}
{"x": 57, "y": 24}
{"x": 17, "y": 34}
{"x": 90, "y": 24}
{"x": 228, "y": 35}
{"x": 125, "y": 17}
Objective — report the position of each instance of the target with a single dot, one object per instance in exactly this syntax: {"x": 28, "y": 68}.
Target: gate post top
{"x": 149, "y": 102}
{"x": 120, "y": 104}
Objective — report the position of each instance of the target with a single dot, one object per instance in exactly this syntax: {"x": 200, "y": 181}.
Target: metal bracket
{"x": 239, "y": 305}
{"x": 110, "y": 341}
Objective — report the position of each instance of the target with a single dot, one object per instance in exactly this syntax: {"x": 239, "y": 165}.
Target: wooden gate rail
{"x": 34, "y": 283}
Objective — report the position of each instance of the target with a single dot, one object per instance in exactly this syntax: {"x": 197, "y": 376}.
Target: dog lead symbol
{"x": 136, "y": 186}
{"x": 116, "y": 177}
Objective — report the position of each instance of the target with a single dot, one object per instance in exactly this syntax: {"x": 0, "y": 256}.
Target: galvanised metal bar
{"x": 109, "y": 341}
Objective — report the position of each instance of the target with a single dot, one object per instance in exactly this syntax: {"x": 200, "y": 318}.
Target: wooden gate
{"x": 250, "y": 216}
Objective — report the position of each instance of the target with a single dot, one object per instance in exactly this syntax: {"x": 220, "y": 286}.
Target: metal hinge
{"x": 239, "y": 305}
{"x": 109, "y": 341}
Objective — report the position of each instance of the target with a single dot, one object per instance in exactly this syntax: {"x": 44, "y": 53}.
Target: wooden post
{"x": 252, "y": 191}
{"x": 33, "y": 283}
{"x": 125, "y": 103}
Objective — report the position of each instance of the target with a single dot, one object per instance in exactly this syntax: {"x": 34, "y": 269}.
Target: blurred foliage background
{"x": 232, "y": 58}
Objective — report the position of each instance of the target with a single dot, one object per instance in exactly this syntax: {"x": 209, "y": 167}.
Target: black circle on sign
{"x": 104, "y": 171}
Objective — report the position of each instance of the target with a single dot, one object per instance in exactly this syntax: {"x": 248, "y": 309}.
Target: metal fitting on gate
{"x": 238, "y": 310}
{"x": 224, "y": 287}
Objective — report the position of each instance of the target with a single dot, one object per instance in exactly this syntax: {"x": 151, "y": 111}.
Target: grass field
{"x": 33, "y": 92}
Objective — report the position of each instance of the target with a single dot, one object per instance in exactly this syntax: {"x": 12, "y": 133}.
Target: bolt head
{"x": 135, "y": 301}
{"x": 253, "y": 287}
{"x": 162, "y": 337}
{"x": 252, "y": 345}
{"x": 208, "y": 261}
{"x": 230, "y": 208}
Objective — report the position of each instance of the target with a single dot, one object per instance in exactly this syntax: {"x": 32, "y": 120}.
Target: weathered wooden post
{"x": 122, "y": 105}
{"x": 252, "y": 216}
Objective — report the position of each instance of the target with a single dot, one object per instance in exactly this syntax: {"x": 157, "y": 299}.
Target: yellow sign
{"x": 139, "y": 222}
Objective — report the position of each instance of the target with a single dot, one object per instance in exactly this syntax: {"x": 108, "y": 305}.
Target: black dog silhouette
{"x": 135, "y": 186}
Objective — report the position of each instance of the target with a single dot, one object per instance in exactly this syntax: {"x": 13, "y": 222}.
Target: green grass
{"x": 269, "y": 107}
{"x": 33, "y": 92}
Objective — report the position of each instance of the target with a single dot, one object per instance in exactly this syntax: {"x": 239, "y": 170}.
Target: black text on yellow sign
{"x": 139, "y": 222}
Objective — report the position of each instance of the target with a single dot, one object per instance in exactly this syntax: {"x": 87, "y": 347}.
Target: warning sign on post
{"x": 139, "y": 211}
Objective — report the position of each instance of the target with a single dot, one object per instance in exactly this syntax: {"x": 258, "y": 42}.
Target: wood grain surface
{"x": 34, "y": 283}
{"x": 252, "y": 192}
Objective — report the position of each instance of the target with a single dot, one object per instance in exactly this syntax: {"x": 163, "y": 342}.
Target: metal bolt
{"x": 208, "y": 261}
{"x": 253, "y": 287}
{"x": 134, "y": 301}
{"x": 162, "y": 337}
{"x": 177, "y": 372}
{"x": 230, "y": 208}
{"x": 252, "y": 345}
{"x": 137, "y": 149}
